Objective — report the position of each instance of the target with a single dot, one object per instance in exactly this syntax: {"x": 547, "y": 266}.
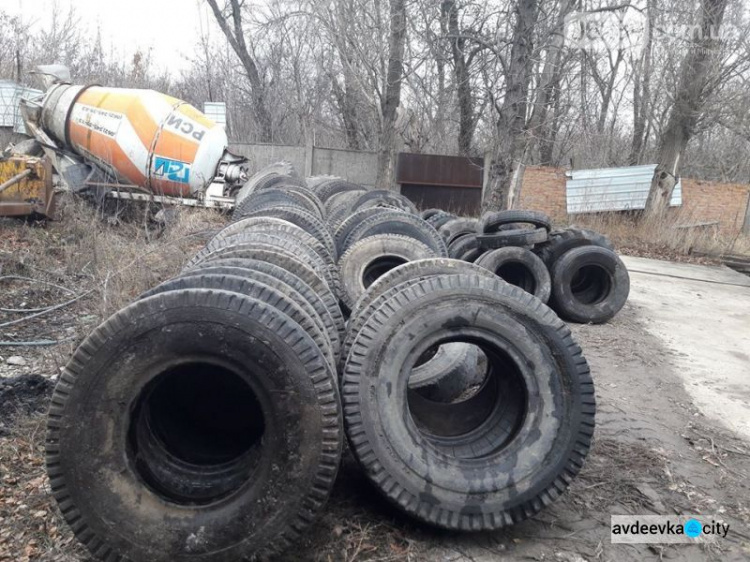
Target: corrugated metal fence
{"x": 612, "y": 189}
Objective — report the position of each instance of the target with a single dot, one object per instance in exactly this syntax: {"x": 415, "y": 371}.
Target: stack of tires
{"x": 576, "y": 271}
{"x": 206, "y": 419}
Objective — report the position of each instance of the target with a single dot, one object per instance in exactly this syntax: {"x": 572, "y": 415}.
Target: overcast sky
{"x": 169, "y": 27}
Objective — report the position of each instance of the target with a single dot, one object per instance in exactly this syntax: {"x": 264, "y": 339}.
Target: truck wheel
{"x": 283, "y": 280}
{"x": 291, "y": 304}
{"x": 503, "y": 453}
{"x": 398, "y": 223}
{"x": 372, "y": 257}
{"x": 589, "y": 284}
{"x": 519, "y": 267}
{"x": 194, "y": 386}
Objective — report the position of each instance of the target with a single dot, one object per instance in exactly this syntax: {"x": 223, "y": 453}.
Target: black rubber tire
{"x": 282, "y": 168}
{"x": 239, "y": 257}
{"x": 385, "y": 197}
{"x": 266, "y": 199}
{"x": 252, "y": 241}
{"x": 274, "y": 226}
{"x": 427, "y": 213}
{"x": 492, "y": 221}
{"x": 371, "y": 257}
{"x": 305, "y": 220}
{"x": 590, "y": 284}
{"x": 294, "y": 306}
{"x": 278, "y": 277}
{"x": 519, "y": 267}
{"x": 448, "y": 373}
{"x": 560, "y": 241}
{"x": 330, "y": 188}
{"x": 399, "y": 223}
{"x": 439, "y": 219}
{"x": 504, "y": 466}
{"x": 452, "y": 229}
{"x": 353, "y": 221}
{"x": 345, "y": 198}
{"x": 102, "y": 399}
{"x": 313, "y": 182}
{"x": 413, "y": 270}
{"x": 517, "y": 237}
{"x": 305, "y": 196}
{"x": 465, "y": 247}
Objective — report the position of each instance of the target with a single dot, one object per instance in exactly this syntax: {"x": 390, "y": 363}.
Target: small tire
{"x": 590, "y": 284}
{"x": 519, "y": 267}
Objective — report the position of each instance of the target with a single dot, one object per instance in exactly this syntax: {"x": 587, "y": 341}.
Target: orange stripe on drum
{"x": 129, "y": 105}
{"x": 107, "y": 150}
{"x": 175, "y": 147}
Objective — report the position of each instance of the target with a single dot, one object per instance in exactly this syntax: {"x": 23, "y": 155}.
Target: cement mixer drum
{"x": 143, "y": 137}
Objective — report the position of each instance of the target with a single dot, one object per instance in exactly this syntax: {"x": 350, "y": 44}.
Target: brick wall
{"x": 726, "y": 203}
{"x": 543, "y": 189}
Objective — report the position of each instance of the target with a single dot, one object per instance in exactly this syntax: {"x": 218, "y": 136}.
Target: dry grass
{"x": 674, "y": 236}
{"x": 109, "y": 258}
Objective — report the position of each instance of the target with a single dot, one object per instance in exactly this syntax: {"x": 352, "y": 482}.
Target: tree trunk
{"x": 688, "y": 106}
{"x": 461, "y": 72}
{"x": 236, "y": 38}
{"x": 510, "y": 136}
{"x": 392, "y": 94}
{"x": 642, "y": 94}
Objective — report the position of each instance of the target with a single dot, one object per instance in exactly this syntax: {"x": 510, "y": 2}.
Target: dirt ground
{"x": 655, "y": 452}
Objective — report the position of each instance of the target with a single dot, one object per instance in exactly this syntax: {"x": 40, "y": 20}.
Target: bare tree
{"x": 697, "y": 69}
{"x": 230, "y": 21}
{"x": 510, "y": 133}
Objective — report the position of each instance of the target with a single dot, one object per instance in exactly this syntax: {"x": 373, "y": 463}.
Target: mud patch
{"x": 21, "y": 396}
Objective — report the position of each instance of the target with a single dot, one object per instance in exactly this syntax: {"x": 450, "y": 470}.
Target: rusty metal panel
{"x": 463, "y": 201}
{"x": 437, "y": 170}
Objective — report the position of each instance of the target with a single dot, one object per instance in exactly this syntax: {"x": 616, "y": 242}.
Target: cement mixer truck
{"x": 132, "y": 144}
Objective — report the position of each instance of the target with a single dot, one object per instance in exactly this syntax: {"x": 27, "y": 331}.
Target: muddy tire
{"x": 466, "y": 248}
{"x": 385, "y": 197}
{"x": 413, "y": 270}
{"x": 278, "y": 277}
{"x": 303, "y": 219}
{"x": 157, "y": 397}
{"x": 353, "y": 221}
{"x": 502, "y": 454}
{"x": 448, "y": 373}
{"x": 247, "y": 256}
{"x": 590, "y": 284}
{"x": 397, "y": 223}
{"x": 561, "y": 241}
{"x": 516, "y": 237}
{"x": 491, "y": 222}
{"x": 519, "y": 267}
{"x": 372, "y": 257}
{"x": 452, "y": 229}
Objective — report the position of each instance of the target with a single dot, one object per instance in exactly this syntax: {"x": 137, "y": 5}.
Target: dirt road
{"x": 663, "y": 445}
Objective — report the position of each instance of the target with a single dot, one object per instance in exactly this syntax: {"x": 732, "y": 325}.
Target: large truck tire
{"x": 519, "y": 267}
{"x": 399, "y": 223}
{"x": 196, "y": 424}
{"x": 500, "y": 455}
{"x": 372, "y": 257}
{"x": 590, "y": 284}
